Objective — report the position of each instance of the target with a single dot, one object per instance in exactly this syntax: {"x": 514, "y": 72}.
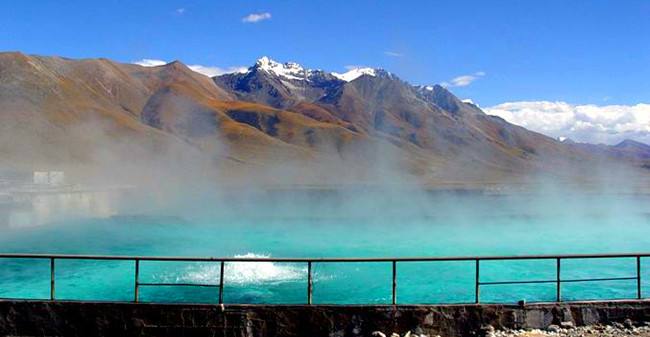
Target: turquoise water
{"x": 315, "y": 224}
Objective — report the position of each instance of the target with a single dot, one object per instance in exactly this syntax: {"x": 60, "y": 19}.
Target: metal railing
{"x": 558, "y": 280}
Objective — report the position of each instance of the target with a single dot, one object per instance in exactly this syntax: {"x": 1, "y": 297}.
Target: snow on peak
{"x": 294, "y": 71}
{"x": 355, "y": 73}
{"x": 289, "y": 70}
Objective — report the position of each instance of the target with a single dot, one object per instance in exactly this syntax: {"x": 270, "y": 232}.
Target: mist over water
{"x": 361, "y": 222}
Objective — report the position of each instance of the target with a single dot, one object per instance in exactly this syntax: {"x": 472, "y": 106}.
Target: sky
{"x": 575, "y": 69}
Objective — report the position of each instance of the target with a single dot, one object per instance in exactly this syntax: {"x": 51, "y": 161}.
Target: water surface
{"x": 325, "y": 225}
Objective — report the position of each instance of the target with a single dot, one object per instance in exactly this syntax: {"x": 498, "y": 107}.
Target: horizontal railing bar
{"x": 178, "y": 285}
{"x": 305, "y": 260}
{"x": 564, "y": 301}
{"x": 568, "y": 301}
{"x": 516, "y": 282}
{"x": 600, "y": 279}
{"x": 310, "y": 261}
{"x": 561, "y": 281}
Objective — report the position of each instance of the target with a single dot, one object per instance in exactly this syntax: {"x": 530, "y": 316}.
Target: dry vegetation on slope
{"x": 258, "y": 126}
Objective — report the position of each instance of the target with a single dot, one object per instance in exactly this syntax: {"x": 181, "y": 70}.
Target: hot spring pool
{"x": 330, "y": 225}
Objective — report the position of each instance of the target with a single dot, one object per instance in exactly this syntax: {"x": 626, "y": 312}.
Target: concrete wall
{"x": 83, "y": 319}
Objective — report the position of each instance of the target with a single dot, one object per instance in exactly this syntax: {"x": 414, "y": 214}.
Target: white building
{"x": 50, "y": 178}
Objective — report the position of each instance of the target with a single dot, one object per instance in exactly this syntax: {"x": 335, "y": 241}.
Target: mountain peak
{"x": 176, "y": 66}
{"x": 295, "y": 71}
{"x": 632, "y": 144}
{"x": 443, "y": 98}
{"x": 289, "y": 70}
{"x": 266, "y": 62}
{"x": 175, "y": 63}
{"x": 355, "y": 73}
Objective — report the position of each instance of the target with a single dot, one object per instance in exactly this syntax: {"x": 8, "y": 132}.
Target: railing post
{"x": 309, "y": 284}
{"x": 52, "y": 284}
{"x": 136, "y": 288}
{"x": 221, "y": 272}
{"x": 394, "y": 282}
{"x": 638, "y": 277}
{"x": 558, "y": 281}
{"x": 477, "y": 284}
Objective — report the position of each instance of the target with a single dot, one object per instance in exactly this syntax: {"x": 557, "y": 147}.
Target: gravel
{"x": 616, "y": 329}
{"x": 565, "y": 329}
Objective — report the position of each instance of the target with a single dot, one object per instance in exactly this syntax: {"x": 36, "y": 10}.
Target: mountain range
{"x": 276, "y": 122}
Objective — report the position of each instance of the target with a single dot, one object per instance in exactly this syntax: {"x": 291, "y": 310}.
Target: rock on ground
{"x": 585, "y": 331}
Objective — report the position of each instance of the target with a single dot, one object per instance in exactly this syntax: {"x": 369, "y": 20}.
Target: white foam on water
{"x": 245, "y": 272}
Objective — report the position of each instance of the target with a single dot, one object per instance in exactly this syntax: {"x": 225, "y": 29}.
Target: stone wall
{"x": 85, "y": 319}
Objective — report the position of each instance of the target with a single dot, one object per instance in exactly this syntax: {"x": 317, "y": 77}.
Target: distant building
{"x": 50, "y": 178}
{"x": 41, "y": 178}
{"x": 57, "y": 178}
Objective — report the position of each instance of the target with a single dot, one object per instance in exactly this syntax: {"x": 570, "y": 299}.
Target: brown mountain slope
{"x": 61, "y": 112}
{"x": 428, "y": 121}
{"x": 41, "y": 99}
{"x": 312, "y": 129}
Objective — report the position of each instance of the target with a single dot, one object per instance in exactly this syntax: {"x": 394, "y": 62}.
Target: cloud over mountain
{"x": 463, "y": 80}
{"x": 589, "y": 123}
{"x": 149, "y": 62}
{"x": 209, "y": 71}
{"x": 216, "y": 71}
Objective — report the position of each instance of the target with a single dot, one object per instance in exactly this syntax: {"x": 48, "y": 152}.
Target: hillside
{"x": 276, "y": 123}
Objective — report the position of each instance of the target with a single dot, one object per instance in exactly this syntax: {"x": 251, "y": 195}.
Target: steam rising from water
{"x": 182, "y": 204}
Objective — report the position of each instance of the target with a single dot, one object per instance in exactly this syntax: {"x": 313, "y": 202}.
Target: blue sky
{"x": 579, "y": 52}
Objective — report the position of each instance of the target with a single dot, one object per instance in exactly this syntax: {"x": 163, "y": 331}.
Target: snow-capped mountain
{"x": 279, "y": 84}
{"x": 294, "y": 71}
{"x": 288, "y": 70}
{"x": 355, "y": 73}
{"x": 283, "y": 85}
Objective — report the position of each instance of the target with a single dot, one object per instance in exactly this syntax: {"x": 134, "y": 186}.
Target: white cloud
{"x": 256, "y": 17}
{"x": 216, "y": 71}
{"x": 150, "y": 62}
{"x": 393, "y": 53}
{"x": 210, "y": 71}
{"x": 180, "y": 11}
{"x": 588, "y": 123}
{"x": 464, "y": 80}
